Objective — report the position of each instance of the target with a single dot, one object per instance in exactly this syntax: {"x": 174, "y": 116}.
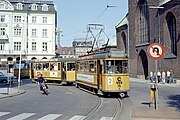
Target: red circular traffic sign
{"x": 155, "y": 51}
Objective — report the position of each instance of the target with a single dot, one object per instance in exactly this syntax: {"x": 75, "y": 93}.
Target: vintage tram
{"x": 103, "y": 72}
{"x": 23, "y": 67}
{"x": 56, "y": 70}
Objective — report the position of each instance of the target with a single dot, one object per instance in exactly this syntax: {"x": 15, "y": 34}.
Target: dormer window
{"x": 2, "y": 6}
{"x": 44, "y": 7}
{"x": 19, "y": 6}
{"x": 34, "y": 7}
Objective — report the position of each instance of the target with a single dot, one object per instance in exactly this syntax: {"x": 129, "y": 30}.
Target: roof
{"x": 164, "y": 2}
{"x": 123, "y": 21}
{"x": 27, "y": 3}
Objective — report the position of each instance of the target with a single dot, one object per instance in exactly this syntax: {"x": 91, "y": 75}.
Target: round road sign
{"x": 155, "y": 51}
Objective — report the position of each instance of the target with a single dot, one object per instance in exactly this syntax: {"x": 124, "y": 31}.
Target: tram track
{"x": 94, "y": 109}
{"x": 115, "y": 115}
{"x": 118, "y": 109}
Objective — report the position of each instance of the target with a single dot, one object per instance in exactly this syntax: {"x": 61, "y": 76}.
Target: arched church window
{"x": 171, "y": 23}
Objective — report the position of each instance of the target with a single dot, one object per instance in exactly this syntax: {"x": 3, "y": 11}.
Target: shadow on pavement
{"x": 174, "y": 101}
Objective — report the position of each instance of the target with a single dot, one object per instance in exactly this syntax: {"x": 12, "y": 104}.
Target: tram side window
{"x": 110, "y": 66}
{"x": 91, "y": 66}
{"x": 125, "y": 66}
{"x": 46, "y": 66}
{"x": 77, "y": 66}
{"x": 116, "y": 66}
{"x": 53, "y": 66}
{"x": 70, "y": 66}
{"x": 86, "y": 66}
{"x": 59, "y": 66}
{"x": 34, "y": 66}
{"x": 38, "y": 66}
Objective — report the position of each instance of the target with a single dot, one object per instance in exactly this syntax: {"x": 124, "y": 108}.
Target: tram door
{"x": 99, "y": 73}
{"x": 63, "y": 70}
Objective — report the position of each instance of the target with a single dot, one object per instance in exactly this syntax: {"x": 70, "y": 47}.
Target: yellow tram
{"x": 58, "y": 70}
{"x": 103, "y": 72}
{"x": 24, "y": 69}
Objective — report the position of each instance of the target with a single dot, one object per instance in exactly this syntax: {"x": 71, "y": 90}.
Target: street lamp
{"x": 159, "y": 37}
{"x": 20, "y": 59}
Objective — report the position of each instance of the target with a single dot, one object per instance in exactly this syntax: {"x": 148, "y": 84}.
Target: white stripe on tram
{"x": 21, "y": 116}
{"x": 106, "y": 118}
{"x": 4, "y": 113}
{"x": 50, "y": 117}
{"x": 78, "y": 117}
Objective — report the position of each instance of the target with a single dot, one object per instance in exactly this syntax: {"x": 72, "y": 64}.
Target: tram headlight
{"x": 119, "y": 79}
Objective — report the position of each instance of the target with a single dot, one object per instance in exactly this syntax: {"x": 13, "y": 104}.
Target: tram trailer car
{"x": 24, "y": 69}
{"x": 56, "y": 71}
{"x": 104, "y": 73}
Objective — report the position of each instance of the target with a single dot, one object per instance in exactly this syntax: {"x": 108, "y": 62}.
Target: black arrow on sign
{"x": 156, "y": 49}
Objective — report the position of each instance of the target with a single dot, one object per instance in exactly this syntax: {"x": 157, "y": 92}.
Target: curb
{"x": 14, "y": 94}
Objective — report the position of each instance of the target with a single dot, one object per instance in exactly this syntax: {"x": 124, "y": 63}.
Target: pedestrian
{"x": 155, "y": 76}
{"x": 171, "y": 76}
{"x": 163, "y": 77}
{"x": 151, "y": 76}
{"x": 159, "y": 76}
{"x": 168, "y": 76}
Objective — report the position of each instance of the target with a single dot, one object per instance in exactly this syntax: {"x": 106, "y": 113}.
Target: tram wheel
{"x": 77, "y": 85}
{"x": 122, "y": 95}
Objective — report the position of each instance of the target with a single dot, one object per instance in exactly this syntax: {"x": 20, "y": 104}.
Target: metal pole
{"x": 156, "y": 86}
{"x": 19, "y": 79}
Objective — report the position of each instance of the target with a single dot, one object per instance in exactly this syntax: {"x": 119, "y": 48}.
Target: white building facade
{"x": 27, "y": 27}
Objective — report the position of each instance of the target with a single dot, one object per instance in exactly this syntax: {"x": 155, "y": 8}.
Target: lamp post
{"x": 19, "y": 75}
{"x": 20, "y": 59}
{"x": 159, "y": 38}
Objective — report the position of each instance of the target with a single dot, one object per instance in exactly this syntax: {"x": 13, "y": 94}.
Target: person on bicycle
{"x": 41, "y": 81}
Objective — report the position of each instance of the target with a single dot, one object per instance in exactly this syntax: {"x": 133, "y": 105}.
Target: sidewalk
{"x": 147, "y": 113}
{"x": 10, "y": 92}
{"x": 159, "y": 84}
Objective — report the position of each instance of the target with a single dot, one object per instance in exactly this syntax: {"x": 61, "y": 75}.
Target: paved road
{"x": 69, "y": 103}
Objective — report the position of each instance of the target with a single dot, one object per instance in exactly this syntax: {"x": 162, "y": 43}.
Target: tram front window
{"x": 115, "y": 66}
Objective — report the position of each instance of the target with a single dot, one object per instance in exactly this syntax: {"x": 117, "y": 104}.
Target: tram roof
{"x": 103, "y": 54}
{"x": 55, "y": 60}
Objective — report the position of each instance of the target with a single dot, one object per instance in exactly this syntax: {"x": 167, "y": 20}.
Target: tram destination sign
{"x": 155, "y": 51}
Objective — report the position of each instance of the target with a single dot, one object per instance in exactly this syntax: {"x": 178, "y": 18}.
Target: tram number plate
{"x": 110, "y": 81}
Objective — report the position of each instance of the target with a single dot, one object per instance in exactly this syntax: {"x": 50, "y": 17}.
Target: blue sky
{"x": 74, "y": 15}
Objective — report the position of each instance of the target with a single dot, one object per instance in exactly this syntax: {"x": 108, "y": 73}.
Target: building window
{"x": 2, "y": 6}
{"x": 44, "y": 19}
{"x": 34, "y": 7}
{"x": 17, "y": 46}
{"x": 2, "y": 19}
{"x": 19, "y": 6}
{"x": 34, "y": 32}
{"x": 2, "y": 45}
{"x": 143, "y": 22}
{"x": 33, "y": 46}
{"x": 17, "y": 19}
{"x": 44, "y": 33}
{"x": 2, "y": 31}
{"x": 33, "y": 19}
{"x": 171, "y": 23}
{"x": 44, "y": 7}
{"x": 17, "y": 31}
{"x": 44, "y": 46}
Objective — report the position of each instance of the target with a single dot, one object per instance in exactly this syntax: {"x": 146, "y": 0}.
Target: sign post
{"x": 156, "y": 51}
